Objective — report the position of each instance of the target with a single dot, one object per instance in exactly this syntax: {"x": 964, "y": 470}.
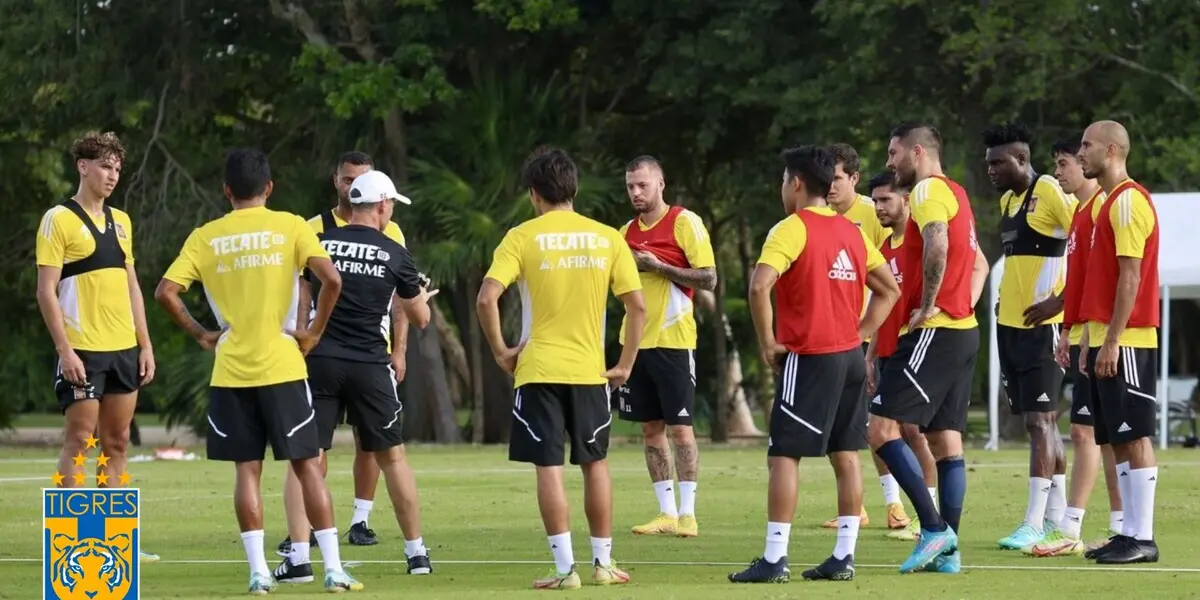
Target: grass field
{"x": 482, "y": 527}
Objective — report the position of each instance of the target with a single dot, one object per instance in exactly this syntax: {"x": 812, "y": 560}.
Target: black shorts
{"x": 820, "y": 406}
{"x": 1032, "y": 379}
{"x": 114, "y": 372}
{"x": 662, "y": 387}
{"x": 361, "y": 394}
{"x": 241, "y": 421}
{"x": 1081, "y": 393}
{"x": 1125, "y": 407}
{"x": 927, "y": 382}
{"x": 546, "y": 414}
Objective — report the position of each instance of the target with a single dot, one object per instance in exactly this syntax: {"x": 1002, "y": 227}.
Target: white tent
{"x": 1178, "y": 276}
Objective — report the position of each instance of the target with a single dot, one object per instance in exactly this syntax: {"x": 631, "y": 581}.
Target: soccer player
{"x": 1035, "y": 216}
{"x": 89, "y": 296}
{"x": 565, "y": 264}
{"x": 674, "y": 258}
{"x": 861, "y": 211}
{"x": 891, "y": 207}
{"x": 350, "y": 371}
{"x": 1120, "y": 304}
{"x": 928, "y": 380}
{"x": 816, "y": 263}
{"x": 247, "y": 262}
{"x": 331, "y": 414}
{"x": 1065, "y": 539}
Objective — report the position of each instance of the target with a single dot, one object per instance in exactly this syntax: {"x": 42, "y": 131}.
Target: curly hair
{"x": 95, "y": 145}
{"x": 1007, "y": 133}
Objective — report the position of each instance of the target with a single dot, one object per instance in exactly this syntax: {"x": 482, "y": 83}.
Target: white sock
{"x": 414, "y": 548}
{"x": 687, "y": 498}
{"x": 327, "y": 540}
{"x": 362, "y": 510}
{"x": 602, "y": 551}
{"x": 1039, "y": 494}
{"x": 1116, "y": 520}
{"x": 665, "y": 492}
{"x": 299, "y": 553}
{"x": 1056, "y": 504}
{"x": 1072, "y": 522}
{"x": 1126, "y": 490}
{"x": 1143, "y": 485}
{"x": 777, "y": 541}
{"x": 847, "y": 537}
{"x": 933, "y": 494}
{"x": 252, "y": 541}
{"x": 891, "y": 489}
{"x": 564, "y": 556}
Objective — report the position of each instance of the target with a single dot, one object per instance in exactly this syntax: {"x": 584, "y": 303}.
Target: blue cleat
{"x": 761, "y": 571}
{"x": 950, "y": 564}
{"x": 931, "y": 545}
{"x": 1024, "y": 537}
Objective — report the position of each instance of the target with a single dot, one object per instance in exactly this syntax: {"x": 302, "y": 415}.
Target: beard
{"x": 1092, "y": 172}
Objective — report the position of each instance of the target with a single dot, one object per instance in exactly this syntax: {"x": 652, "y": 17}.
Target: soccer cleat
{"x": 261, "y": 585}
{"x": 948, "y": 564}
{"x": 287, "y": 572}
{"x": 558, "y": 581}
{"x": 361, "y": 535}
{"x": 1056, "y": 543}
{"x": 608, "y": 574}
{"x": 897, "y": 518}
{"x": 687, "y": 526}
{"x": 420, "y": 565}
{"x": 663, "y": 524}
{"x": 909, "y": 534}
{"x": 1024, "y": 536}
{"x": 1113, "y": 543}
{"x": 285, "y": 547}
{"x": 340, "y": 581}
{"x": 1130, "y": 551}
{"x": 863, "y": 521}
{"x": 761, "y": 571}
{"x": 931, "y": 545}
{"x": 833, "y": 569}
{"x": 1110, "y": 534}
{"x": 147, "y": 557}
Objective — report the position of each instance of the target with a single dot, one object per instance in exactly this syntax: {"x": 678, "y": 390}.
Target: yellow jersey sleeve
{"x": 51, "y": 240}
{"x": 1132, "y": 221}
{"x": 693, "y": 238}
{"x": 932, "y": 201}
{"x": 506, "y": 260}
{"x": 124, "y": 233}
{"x": 625, "y": 277}
{"x": 392, "y": 230}
{"x": 186, "y": 268}
{"x": 316, "y": 224}
{"x": 874, "y": 256}
{"x": 1061, "y": 206}
{"x": 784, "y": 244}
{"x": 624, "y": 228}
{"x": 308, "y": 245}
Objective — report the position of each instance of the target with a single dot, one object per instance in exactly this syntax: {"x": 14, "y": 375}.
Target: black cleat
{"x": 420, "y": 565}
{"x": 833, "y": 569}
{"x": 1114, "y": 542}
{"x": 1131, "y": 551}
{"x": 361, "y": 535}
{"x": 286, "y": 572}
{"x": 761, "y": 571}
{"x": 285, "y": 547}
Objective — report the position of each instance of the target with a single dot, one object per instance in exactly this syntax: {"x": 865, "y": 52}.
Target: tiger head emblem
{"x": 92, "y": 569}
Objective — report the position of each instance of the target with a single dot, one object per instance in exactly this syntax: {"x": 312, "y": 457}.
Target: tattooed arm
{"x": 937, "y": 244}
{"x": 697, "y": 279}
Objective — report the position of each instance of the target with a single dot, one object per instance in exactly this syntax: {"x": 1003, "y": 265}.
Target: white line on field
{"x": 353, "y": 563}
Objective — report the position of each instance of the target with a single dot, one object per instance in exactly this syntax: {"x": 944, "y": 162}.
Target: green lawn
{"x": 481, "y": 524}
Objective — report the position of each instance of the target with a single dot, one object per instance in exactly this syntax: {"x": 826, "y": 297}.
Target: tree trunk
{"x": 721, "y": 392}
{"x": 475, "y": 346}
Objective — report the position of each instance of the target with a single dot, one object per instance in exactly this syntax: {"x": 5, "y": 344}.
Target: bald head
{"x": 1109, "y": 133}
{"x": 1104, "y": 148}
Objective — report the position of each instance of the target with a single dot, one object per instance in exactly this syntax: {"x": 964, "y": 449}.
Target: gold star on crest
{"x": 102, "y": 460}
{"x": 80, "y": 459}
{"x": 102, "y": 479}
{"x": 91, "y": 441}
{"x": 57, "y": 479}
{"x": 124, "y": 478}
{"x": 79, "y": 478}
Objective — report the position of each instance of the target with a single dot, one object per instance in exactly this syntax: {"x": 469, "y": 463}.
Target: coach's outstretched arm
{"x": 885, "y": 292}
{"x": 415, "y": 310}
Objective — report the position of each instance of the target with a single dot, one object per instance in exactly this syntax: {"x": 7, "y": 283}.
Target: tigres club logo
{"x": 90, "y": 537}
{"x": 1071, "y": 244}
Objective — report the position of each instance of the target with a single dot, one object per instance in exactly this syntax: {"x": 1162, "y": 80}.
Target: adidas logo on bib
{"x": 843, "y": 268}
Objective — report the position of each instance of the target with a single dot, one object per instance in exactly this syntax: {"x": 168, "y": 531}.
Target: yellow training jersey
{"x": 96, "y": 307}
{"x": 932, "y": 201}
{"x": 564, "y": 264}
{"x": 1132, "y": 221}
{"x": 862, "y": 213}
{"x": 670, "y": 314}
{"x": 391, "y": 230}
{"x": 248, "y": 262}
{"x": 1075, "y": 335}
{"x": 1028, "y": 280}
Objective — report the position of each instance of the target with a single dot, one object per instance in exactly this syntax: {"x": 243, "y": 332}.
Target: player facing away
{"x": 927, "y": 382}
{"x": 674, "y": 258}
{"x": 891, "y": 207}
{"x": 247, "y": 262}
{"x": 1035, "y": 217}
{"x": 1066, "y": 538}
{"x": 349, "y": 370}
{"x": 1121, "y": 306}
{"x": 366, "y": 470}
{"x": 861, "y": 211}
{"x": 816, "y": 262}
{"x": 90, "y": 299}
{"x": 565, "y": 264}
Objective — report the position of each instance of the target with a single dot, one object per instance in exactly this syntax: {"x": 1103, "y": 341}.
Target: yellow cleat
{"x": 558, "y": 581}
{"x": 863, "y": 521}
{"x": 661, "y": 525}
{"x": 687, "y": 526}
{"x": 909, "y": 534}
{"x": 1056, "y": 543}
{"x": 608, "y": 575}
{"x": 897, "y": 518}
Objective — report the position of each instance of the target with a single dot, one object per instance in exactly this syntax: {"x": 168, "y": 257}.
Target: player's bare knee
{"x": 1082, "y": 435}
{"x": 911, "y": 434}
{"x": 115, "y": 443}
{"x": 654, "y": 433}
{"x": 683, "y": 435}
{"x": 882, "y": 430}
{"x": 390, "y": 457}
{"x": 944, "y": 444}
{"x": 1040, "y": 425}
